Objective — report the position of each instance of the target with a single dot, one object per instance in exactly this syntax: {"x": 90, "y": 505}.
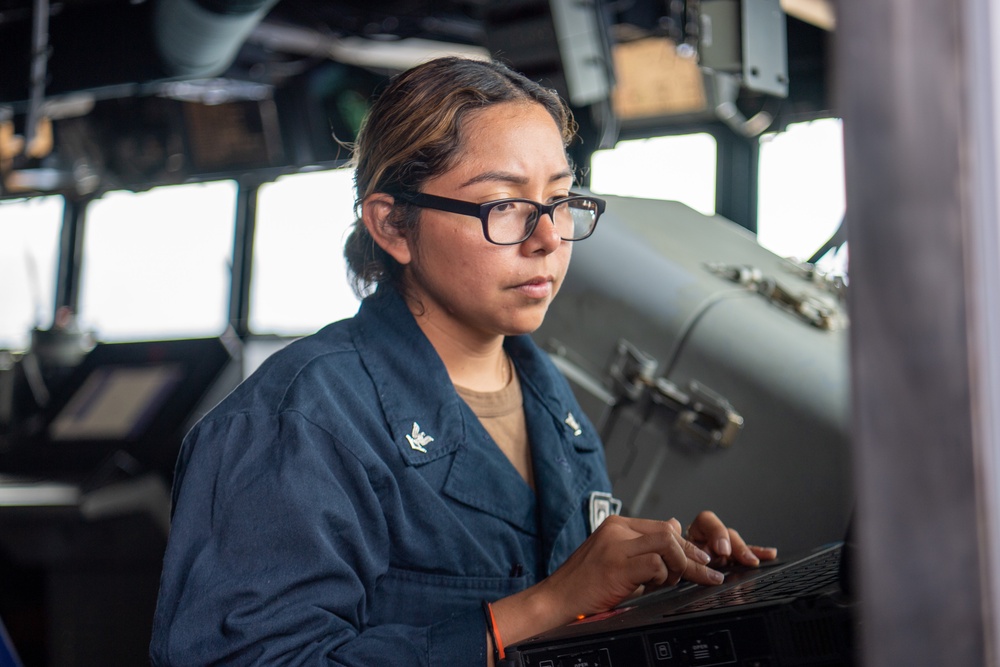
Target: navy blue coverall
{"x": 344, "y": 506}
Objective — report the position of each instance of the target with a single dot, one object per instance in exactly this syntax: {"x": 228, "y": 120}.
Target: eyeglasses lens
{"x": 513, "y": 222}
{"x": 584, "y": 213}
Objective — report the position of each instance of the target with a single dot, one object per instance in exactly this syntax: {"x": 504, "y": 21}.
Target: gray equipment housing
{"x": 716, "y": 371}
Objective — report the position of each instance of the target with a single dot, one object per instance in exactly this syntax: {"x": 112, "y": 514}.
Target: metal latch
{"x": 631, "y": 371}
{"x": 700, "y": 417}
{"x": 807, "y": 307}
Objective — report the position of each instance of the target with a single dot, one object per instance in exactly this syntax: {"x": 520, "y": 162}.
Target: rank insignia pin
{"x": 418, "y": 439}
{"x": 573, "y": 423}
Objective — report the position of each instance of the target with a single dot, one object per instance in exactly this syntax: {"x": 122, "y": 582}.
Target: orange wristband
{"x": 491, "y": 625}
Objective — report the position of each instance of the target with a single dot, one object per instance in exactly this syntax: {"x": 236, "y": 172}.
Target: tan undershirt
{"x": 502, "y": 415}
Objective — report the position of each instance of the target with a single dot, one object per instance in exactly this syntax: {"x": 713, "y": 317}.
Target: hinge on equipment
{"x": 698, "y": 416}
{"x": 807, "y": 307}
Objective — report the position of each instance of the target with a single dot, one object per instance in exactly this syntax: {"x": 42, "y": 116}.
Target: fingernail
{"x": 750, "y": 557}
{"x": 703, "y": 557}
{"x": 715, "y": 576}
{"x": 723, "y": 547}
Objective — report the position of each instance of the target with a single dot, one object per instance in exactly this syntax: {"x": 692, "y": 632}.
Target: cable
{"x": 689, "y": 325}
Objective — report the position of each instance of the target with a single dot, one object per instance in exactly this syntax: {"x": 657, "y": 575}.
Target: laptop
{"x": 792, "y": 611}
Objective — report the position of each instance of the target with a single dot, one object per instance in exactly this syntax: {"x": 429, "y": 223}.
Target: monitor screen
{"x": 116, "y": 402}
{"x": 136, "y": 397}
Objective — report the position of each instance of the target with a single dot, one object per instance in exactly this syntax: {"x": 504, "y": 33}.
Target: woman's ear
{"x": 376, "y": 212}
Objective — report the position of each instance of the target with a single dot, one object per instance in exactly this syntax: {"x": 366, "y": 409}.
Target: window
{"x": 801, "y": 192}
{"x": 680, "y": 168}
{"x": 299, "y": 281}
{"x": 28, "y": 265}
{"x": 157, "y": 264}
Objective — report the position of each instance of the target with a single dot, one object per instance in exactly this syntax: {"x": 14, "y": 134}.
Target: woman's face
{"x": 464, "y": 285}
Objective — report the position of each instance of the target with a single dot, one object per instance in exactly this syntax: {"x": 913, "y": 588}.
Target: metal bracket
{"x": 631, "y": 371}
{"x": 806, "y": 307}
{"x": 698, "y": 416}
{"x": 702, "y": 418}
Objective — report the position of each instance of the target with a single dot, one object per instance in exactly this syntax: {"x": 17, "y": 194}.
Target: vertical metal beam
{"x": 242, "y": 271}
{"x": 736, "y": 179}
{"x": 904, "y": 88}
{"x": 39, "y": 67}
{"x": 982, "y": 56}
{"x": 70, "y": 252}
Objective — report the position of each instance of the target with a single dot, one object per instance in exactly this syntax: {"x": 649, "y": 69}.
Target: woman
{"x": 359, "y": 498}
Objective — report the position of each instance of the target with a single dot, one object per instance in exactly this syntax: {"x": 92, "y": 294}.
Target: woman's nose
{"x": 545, "y": 236}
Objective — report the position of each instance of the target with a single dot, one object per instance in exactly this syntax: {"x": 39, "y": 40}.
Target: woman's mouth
{"x": 536, "y": 288}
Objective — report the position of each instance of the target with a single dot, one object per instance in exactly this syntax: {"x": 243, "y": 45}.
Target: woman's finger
{"x": 708, "y": 531}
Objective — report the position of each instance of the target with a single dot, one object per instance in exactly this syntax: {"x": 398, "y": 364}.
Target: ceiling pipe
{"x": 200, "y": 38}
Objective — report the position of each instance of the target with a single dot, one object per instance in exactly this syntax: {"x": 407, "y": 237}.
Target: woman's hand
{"x": 725, "y": 544}
{"x": 620, "y": 558}
{"x": 624, "y": 554}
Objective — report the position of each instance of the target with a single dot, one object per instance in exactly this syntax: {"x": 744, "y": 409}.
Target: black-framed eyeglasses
{"x": 513, "y": 221}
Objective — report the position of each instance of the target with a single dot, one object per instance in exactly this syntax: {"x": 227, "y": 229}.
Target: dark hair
{"x": 413, "y": 133}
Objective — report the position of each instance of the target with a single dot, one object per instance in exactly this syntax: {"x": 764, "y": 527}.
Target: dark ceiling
{"x": 310, "y": 57}
{"x": 97, "y": 44}
{"x": 94, "y": 44}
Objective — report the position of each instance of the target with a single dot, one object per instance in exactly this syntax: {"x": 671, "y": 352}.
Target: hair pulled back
{"x": 412, "y": 133}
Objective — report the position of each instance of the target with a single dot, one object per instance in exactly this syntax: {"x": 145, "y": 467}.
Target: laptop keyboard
{"x": 804, "y": 578}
